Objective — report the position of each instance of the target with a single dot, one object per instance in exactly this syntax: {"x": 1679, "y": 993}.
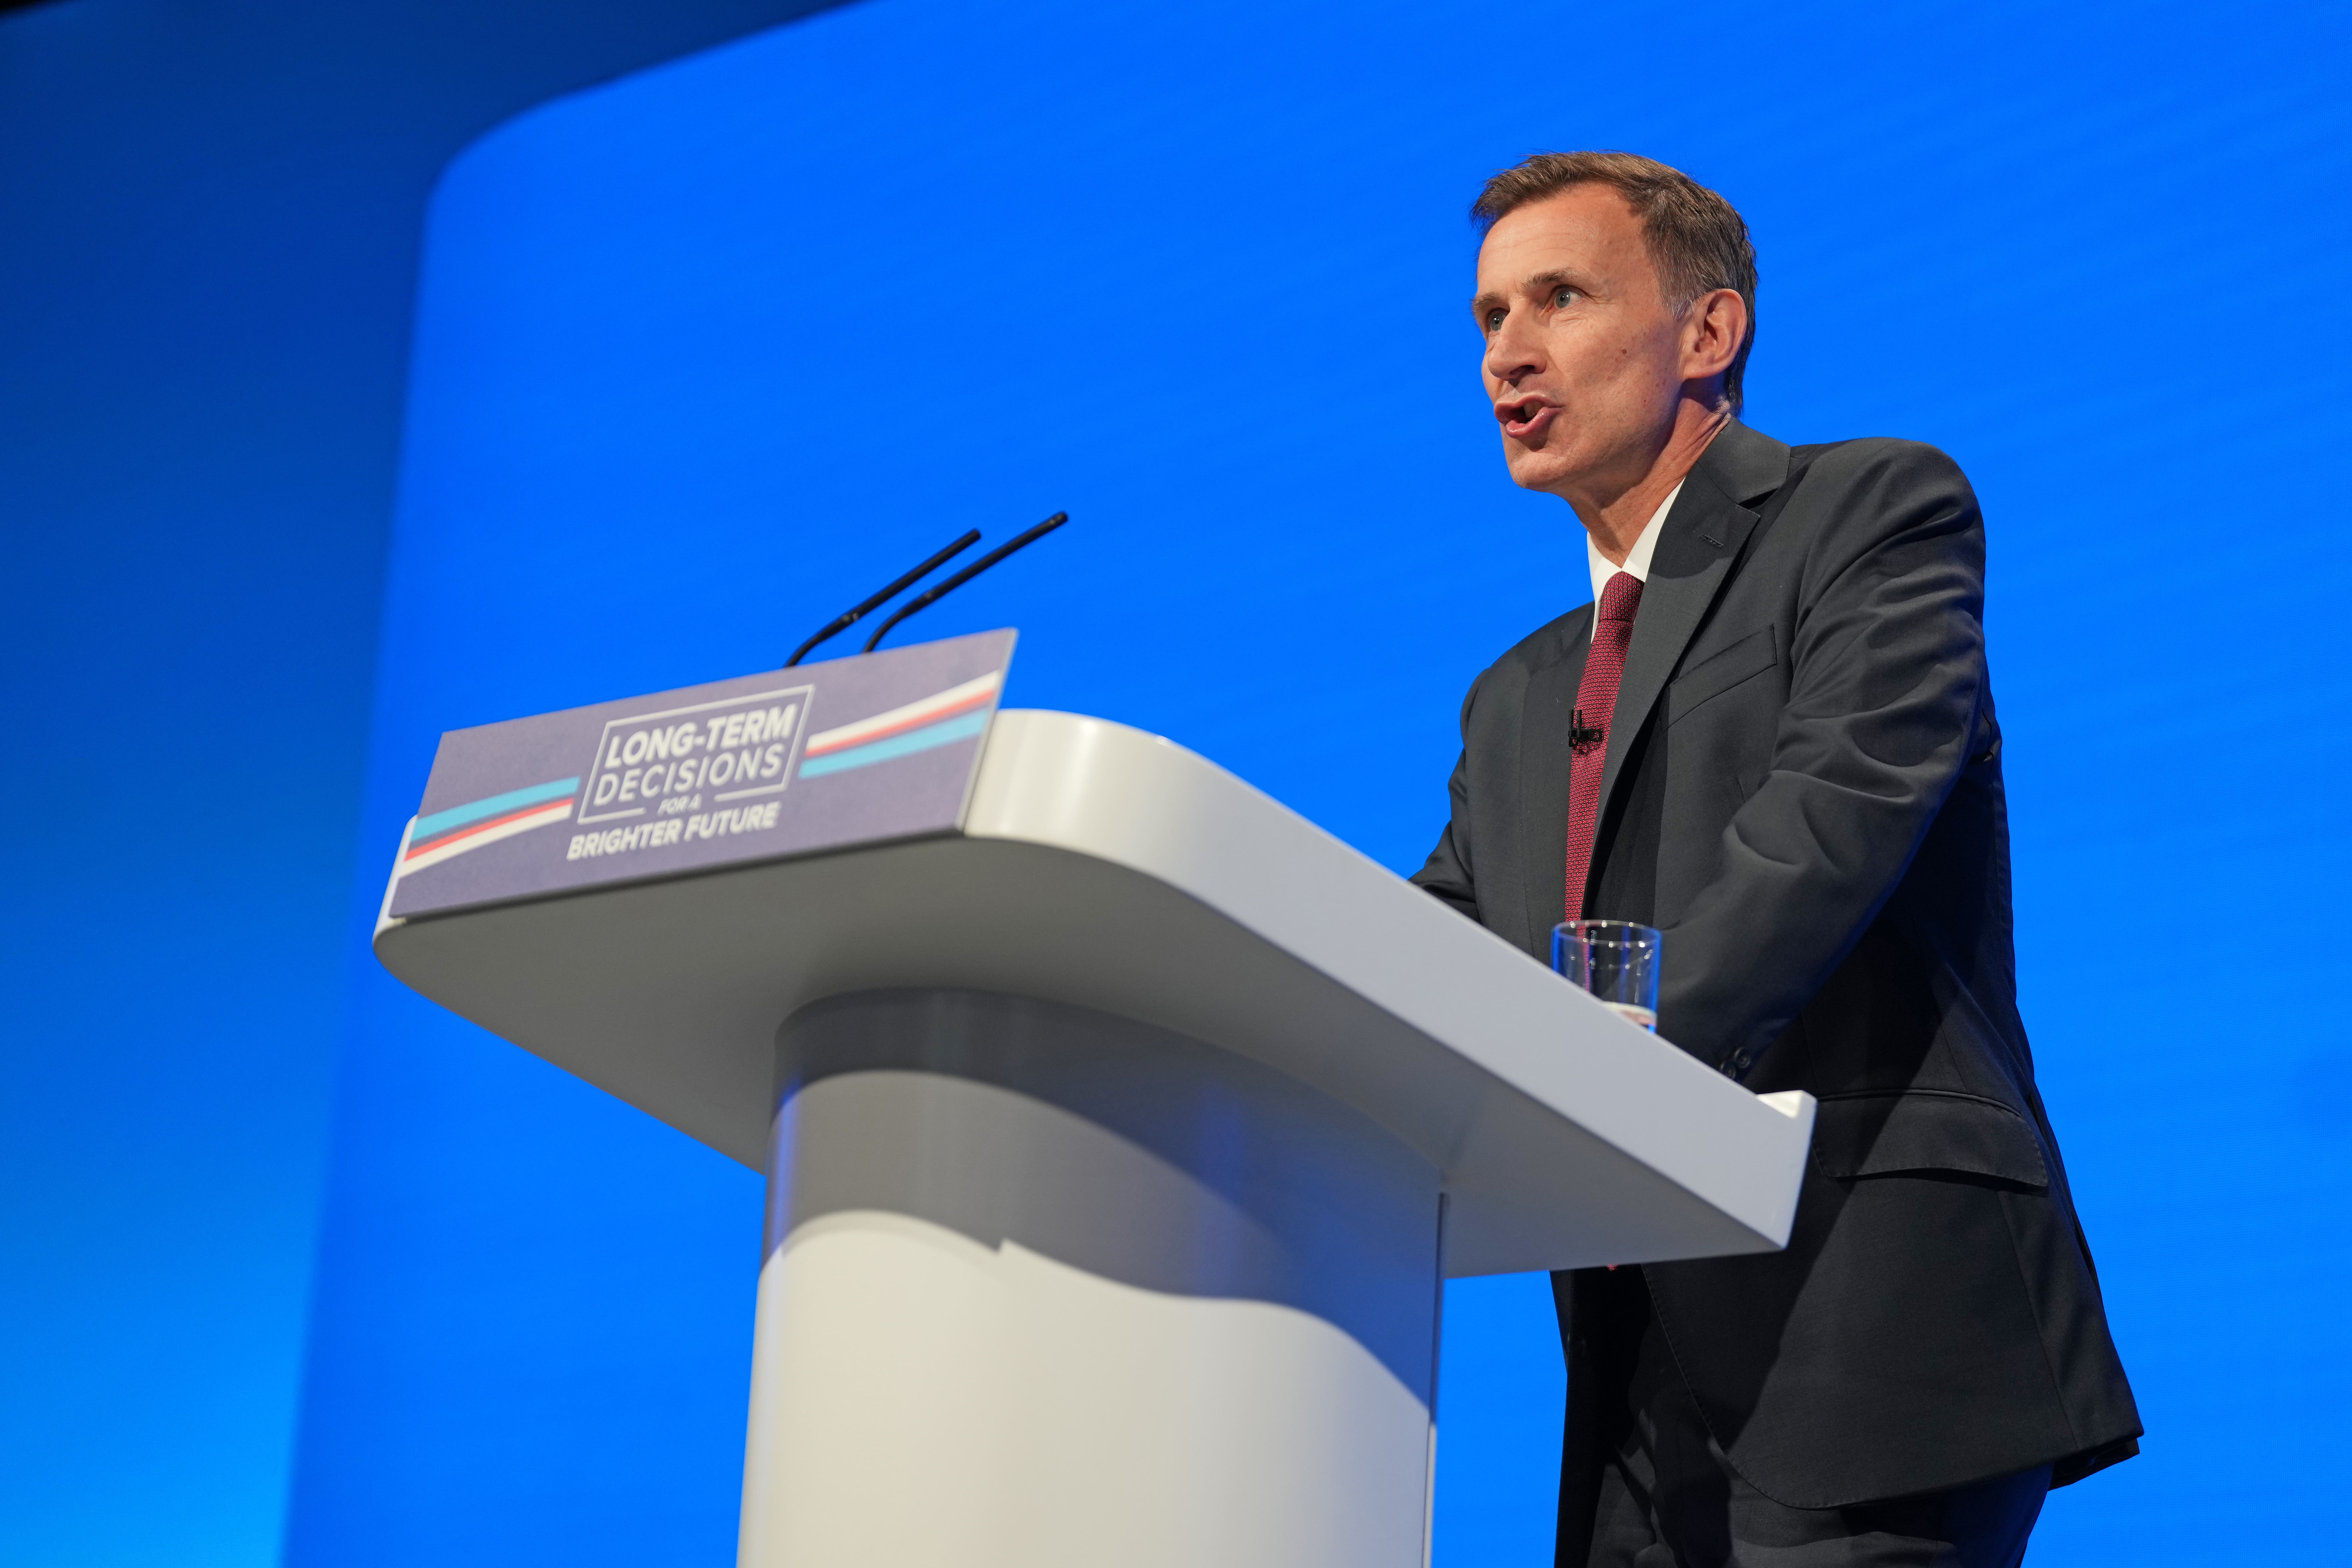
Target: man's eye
{"x": 1493, "y": 321}
{"x": 1563, "y": 296}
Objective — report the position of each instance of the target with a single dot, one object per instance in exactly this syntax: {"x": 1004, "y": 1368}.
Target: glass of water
{"x": 1617, "y": 960}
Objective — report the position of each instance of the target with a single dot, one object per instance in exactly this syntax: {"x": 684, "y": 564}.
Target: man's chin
{"x": 1539, "y": 469}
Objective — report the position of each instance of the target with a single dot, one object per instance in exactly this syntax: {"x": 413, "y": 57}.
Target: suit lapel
{"x": 1696, "y": 545}
{"x": 1544, "y": 765}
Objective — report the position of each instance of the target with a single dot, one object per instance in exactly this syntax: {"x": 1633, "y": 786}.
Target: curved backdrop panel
{"x": 705, "y": 354}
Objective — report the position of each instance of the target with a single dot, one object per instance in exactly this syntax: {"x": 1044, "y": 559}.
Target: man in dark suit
{"x": 1772, "y": 737}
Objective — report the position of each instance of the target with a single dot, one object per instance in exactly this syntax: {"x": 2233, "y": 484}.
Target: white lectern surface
{"x": 1109, "y": 869}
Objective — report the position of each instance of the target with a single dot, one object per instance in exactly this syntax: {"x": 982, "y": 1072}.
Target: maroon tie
{"x": 1596, "y": 703}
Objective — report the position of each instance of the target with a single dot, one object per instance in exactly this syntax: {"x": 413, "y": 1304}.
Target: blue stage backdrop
{"x": 706, "y": 353}
{"x": 209, "y": 217}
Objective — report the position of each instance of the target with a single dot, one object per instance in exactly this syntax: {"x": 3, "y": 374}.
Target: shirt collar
{"x": 1637, "y": 559}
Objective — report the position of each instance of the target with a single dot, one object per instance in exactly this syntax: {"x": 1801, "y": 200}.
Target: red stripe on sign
{"x": 473, "y": 828}
{"x": 912, "y": 721}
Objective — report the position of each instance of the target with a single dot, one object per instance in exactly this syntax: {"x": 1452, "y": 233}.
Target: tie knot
{"x": 1620, "y": 597}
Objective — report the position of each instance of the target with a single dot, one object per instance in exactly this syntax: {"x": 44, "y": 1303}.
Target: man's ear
{"x": 1713, "y": 328}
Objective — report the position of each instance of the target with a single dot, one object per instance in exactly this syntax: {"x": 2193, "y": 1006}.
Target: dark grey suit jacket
{"x": 1803, "y": 791}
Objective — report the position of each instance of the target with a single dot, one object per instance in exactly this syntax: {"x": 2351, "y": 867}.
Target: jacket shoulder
{"x": 1867, "y": 458}
{"x": 1844, "y": 498}
{"x": 1548, "y": 644}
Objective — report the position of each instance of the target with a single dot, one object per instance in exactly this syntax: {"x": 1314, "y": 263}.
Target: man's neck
{"x": 1616, "y": 523}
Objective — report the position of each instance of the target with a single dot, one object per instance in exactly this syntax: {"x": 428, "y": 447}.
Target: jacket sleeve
{"x": 1446, "y": 875}
{"x": 1887, "y": 676}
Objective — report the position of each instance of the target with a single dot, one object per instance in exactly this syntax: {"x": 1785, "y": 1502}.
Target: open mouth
{"x": 1525, "y": 417}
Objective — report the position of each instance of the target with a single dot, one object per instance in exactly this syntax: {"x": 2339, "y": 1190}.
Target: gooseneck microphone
{"x": 933, "y": 595}
{"x": 849, "y": 618}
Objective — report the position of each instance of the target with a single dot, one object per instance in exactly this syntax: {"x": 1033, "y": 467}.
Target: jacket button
{"x": 1741, "y": 1062}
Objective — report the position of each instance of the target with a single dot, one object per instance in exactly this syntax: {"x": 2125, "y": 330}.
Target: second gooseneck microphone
{"x": 933, "y": 595}
{"x": 850, "y": 617}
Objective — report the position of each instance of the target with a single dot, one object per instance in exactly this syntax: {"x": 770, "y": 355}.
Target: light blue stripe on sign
{"x": 905, "y": 745}
{"x": 497, "y": 805}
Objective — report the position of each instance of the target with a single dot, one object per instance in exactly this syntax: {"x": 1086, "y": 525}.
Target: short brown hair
{"x": 1697, "y": 240}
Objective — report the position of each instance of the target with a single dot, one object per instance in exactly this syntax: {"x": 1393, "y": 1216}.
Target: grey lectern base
{"x": 1048, "y": 1286}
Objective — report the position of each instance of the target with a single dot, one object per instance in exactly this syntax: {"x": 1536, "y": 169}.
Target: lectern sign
{"x": 854, "y": 751}
{"x": 746, "y": 742}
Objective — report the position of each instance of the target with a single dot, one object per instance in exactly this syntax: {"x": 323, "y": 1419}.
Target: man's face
{"x": 1584, "y": 359}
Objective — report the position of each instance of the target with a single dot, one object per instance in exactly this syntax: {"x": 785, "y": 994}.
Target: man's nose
{"x": 1514, "y": 351}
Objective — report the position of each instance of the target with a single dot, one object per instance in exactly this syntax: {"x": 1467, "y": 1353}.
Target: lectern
{"x": 1120, "y": 1125}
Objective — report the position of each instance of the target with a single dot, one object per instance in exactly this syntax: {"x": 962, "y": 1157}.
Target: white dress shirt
{"x": 1637, "y": 559}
